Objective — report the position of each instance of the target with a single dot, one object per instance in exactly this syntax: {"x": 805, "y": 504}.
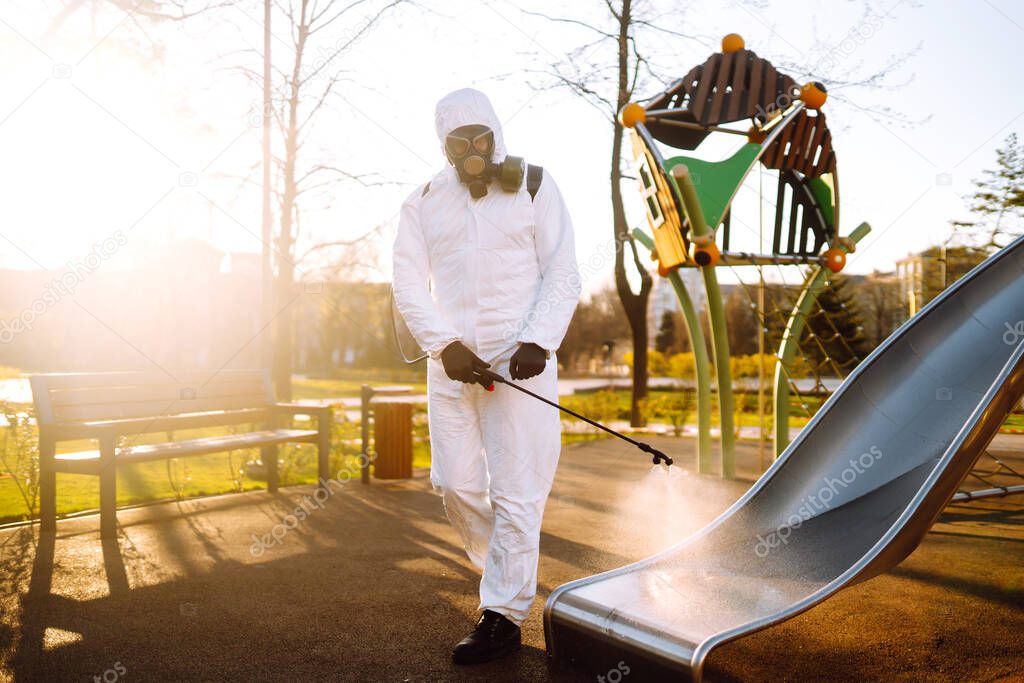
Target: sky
{"x": 108, "y": 123}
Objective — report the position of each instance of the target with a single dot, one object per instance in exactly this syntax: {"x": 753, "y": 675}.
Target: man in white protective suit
{"x": 485, "y": 276}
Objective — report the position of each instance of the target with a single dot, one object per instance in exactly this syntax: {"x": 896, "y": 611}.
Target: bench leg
{"x": 323, "y": 445}
{"x": 108, "y": 502}
{"x": 47, "y": 486}
{"x": 48, "y": 500}
{"x": 268, "y": 454}
{"x": 108, "y": 490}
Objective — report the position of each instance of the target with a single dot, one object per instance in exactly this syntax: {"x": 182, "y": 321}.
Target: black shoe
{"x": 494, "y": 636}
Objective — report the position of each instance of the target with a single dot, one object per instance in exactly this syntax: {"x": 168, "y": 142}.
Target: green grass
{"x": 343, "y": 388}
{"x": 220, "y": 473}
{"x": 201, "y": 475}
{"x": 1015, "y": 421}
{"x": 615, "y": 404}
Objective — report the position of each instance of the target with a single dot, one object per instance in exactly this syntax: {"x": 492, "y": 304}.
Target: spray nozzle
{"x": 658, "y": 456}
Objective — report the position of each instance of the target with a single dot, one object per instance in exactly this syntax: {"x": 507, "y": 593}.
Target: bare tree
{"x": 312, "y": 43}
{"x": 597, "y": 323}
{"x": 320, "y": 34}
{"x": 609, "y": 86}
{"x": 138, "y": 11}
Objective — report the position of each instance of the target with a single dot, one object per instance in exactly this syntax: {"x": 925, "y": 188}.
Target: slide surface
{"x": 851, "y": 497}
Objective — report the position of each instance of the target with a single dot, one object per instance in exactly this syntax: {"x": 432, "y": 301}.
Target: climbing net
{"x": 830, "y": 346}
{"x": 830, "y": 350}
{"x": 996, "y": 477}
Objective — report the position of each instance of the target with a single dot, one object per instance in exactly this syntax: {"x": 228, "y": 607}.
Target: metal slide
{"x": 851, "y": 497}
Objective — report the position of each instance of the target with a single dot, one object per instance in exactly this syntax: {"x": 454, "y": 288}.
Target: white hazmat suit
{"x": 492, "y": 273}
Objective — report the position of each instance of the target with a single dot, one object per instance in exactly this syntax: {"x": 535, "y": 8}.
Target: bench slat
{"x": 90, "y": 397}
{"x": 81, "y": 462}
{"x": 168, "y": 392}
{"x": 84, "y": 380}
{"x": 156, "y": 408}
{"x": 88, "y": 462}
{"x": 147, "y": 425}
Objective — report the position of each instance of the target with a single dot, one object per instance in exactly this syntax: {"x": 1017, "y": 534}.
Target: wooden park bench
{"x": 113, "y": 409}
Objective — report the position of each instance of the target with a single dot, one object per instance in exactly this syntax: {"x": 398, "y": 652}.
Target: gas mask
{"x": 469, "y": 149}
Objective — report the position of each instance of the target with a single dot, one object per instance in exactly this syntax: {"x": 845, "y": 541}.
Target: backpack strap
{"x": 534, "y": 176}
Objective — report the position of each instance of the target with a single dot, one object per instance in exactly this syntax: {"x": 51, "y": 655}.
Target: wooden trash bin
{"x": 392, "y": 437}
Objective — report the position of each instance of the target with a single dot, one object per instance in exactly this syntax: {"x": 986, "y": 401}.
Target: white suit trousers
{"x": 493, "y": 460}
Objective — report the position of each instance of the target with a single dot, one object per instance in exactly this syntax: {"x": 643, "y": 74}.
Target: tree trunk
{"x": 284, "y": 294}
{"x": 634, "y": 304}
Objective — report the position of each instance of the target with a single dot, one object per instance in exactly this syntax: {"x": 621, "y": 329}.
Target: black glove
{"x": 528, "y": 361}
{"x": 460, "y": 363}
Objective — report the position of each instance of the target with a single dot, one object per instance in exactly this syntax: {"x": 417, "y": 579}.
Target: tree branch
{"x": 568, "y": 20}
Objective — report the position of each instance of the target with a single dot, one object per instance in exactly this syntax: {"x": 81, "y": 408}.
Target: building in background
{"x": 187, "y": 305}
{"x": 664, "y": 300}
{"x": 924, "y": 275}
{"x": 882, "y": 301}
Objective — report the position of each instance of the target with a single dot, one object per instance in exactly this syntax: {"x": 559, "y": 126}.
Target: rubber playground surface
{"x": 372, "y": 586}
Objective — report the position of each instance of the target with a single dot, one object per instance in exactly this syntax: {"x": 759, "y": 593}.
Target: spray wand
{"x": 487, "y": 378}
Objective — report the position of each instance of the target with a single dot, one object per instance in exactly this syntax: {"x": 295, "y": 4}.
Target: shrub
{"x": 602, "y": 406}
{"x": 681, "y": 365}
{"x": 657, "y": 363}
{"x": 746, "y": 366}
{"x": 19, "y": 454}
{"x": 675, "y": 407}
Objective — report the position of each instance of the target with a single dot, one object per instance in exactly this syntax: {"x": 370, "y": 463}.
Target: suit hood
{"x": 464, "y": 107}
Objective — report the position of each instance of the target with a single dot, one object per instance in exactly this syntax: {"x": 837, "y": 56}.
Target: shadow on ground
{"x": 372, "y": 586}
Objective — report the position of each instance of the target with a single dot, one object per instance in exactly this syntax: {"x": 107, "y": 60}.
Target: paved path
{"x": 373, "y": 587}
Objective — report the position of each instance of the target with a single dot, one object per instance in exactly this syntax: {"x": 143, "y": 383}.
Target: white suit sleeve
{"x": 547, "y": 323}
{"x": 411, "y": 276}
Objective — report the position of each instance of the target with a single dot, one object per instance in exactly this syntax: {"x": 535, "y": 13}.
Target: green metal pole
{"x": 716, "y": 312}
{"x": 791, "y": 342}
{"x": 701, "y": 365}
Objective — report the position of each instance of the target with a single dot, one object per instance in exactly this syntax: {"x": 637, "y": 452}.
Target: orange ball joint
{"x": 707, "y": 256}
{"x": 835, "y": 259}
{"x": 632, "y": 114}
{"x": 732, "y": 43}
{"x": 756, "y": 136}
{"x": 813, "y": 94}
